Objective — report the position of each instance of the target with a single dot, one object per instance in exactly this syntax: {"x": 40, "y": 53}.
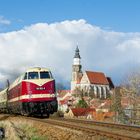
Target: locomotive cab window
{"x": 45, "y": 75}
{"x": 33, "y": 75}
{"x": 25, "y": 76}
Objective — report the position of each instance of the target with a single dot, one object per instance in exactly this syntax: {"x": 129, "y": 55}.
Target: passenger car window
{"x": 45, "y": 75}
{"x": 33, "y": 75}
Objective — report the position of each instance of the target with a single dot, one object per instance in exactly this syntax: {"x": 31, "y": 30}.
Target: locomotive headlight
{"x": 40, "y": 88}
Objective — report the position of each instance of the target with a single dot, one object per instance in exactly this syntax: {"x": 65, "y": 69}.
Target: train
{"x": 32, "y": 93}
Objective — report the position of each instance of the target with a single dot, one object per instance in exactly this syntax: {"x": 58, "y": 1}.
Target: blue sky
{"x": 118, "y": 15}
{"x": 45, "y": 33}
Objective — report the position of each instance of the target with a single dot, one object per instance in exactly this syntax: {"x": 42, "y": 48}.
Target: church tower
{"x": 76, "y": 69}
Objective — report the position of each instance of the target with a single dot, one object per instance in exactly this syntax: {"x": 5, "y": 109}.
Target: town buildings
{"x": 95, "y": 88}
{"x": 104, "y": 102}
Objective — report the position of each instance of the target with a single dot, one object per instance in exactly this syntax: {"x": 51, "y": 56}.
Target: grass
{"x": 28, "y": 128}
{"x": 38, "y": 138}
{"x": 2, "y": 124}
{"x": 32, "y": 132}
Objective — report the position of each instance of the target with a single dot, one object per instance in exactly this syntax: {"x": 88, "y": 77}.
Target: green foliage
{"x": 39, "y": 138}
{"x": 82, "y": 104}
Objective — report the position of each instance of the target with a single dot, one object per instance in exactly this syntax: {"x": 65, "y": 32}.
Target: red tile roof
{"x": 62, "y": 93}
{"x": 97, "y": 78}
{"x": 65, "y": 101}
{"x": 82, "y": 111}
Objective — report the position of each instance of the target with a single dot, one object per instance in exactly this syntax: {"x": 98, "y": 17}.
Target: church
{"x": 91, "y": 83}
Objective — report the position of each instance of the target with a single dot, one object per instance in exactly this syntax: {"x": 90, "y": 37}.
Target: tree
{"x": 131, "y": 88}
{"x": 132, "y": 83}
{"x": 82, "y": 104}
{"x": 77, "y": 93}
{"x": 116, "y": 105}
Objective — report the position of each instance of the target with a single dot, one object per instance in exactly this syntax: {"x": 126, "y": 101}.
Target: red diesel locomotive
{"x": 33, "y": 93}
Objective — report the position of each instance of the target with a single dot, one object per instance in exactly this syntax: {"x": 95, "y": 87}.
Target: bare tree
{"x": 131, "y": 89}
{"x": 132, "y": 83}
{"x": 77, "y": 92}
{"x": 116, "y": 105}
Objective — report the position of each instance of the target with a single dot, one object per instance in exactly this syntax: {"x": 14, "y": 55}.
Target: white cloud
{"x": 4, "y": 21}
{"x": 53, "y": 46}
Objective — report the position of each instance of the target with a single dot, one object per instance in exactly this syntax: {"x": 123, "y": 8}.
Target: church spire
{"x": 77, "y": 55}
{"x": 76, "y": 69}
{"x": 77, "y": 58}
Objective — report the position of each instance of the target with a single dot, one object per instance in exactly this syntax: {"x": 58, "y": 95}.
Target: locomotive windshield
{"x": 33, "y": 75}
{"x": 45, "y": 75}
{"x": 37, "y": 75}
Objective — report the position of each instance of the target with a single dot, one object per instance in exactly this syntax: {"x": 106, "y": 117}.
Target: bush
{"x": 82, "y": 104}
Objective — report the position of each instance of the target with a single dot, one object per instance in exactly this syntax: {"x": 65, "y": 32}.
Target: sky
{"x": 46, "y": 32}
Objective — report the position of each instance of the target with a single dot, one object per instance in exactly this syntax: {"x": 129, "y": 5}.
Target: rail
{"x": 113, "y": 131}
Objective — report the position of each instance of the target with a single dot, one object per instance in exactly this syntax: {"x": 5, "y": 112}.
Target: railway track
{"x": 106, "y": 131}
{"x": 104, "y": 124}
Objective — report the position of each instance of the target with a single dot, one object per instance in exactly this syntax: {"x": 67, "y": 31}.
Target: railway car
{"x": 33, "y": 93}
{"x": 3, "y": 100}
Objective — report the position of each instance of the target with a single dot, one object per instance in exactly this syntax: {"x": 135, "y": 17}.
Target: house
{"x": 101, "y": 105}
{"x": 65, "y": 100}
{"x": 131, "y": 108}
{"x": 85, "y": 113}
{"x": 105, "y": 106}
{"x": 89, "y": 113}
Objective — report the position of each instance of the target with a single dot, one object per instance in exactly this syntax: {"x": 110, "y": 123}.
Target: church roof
{"x": 110, "y": 82}
{"x": 97, "y": 78}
